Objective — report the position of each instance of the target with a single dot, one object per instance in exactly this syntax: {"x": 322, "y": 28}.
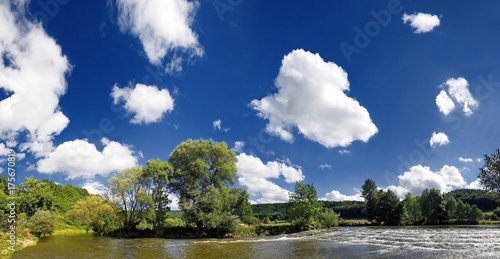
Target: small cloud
{"x": 439, "y": 139}
{"x": 479, "y": 160}
{"x": 325, "y": 166}
{"x": 238, "y": 146}
{"x": 217, "y": 125}
{"x": 422, "y": 22}
{"x": 335, "y": 195}
{"x": 456, "y": 93}
{"x": 465, "y": 160}
{"x": 148, "y": 103}
{"x": 344, "y": 151}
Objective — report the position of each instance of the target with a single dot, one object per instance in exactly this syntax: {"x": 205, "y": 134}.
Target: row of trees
{"x": 432, "y": 207}
{"x": 199, "y": 172}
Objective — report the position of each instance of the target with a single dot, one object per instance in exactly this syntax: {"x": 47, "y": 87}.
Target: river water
{"x": 345, "y": 242}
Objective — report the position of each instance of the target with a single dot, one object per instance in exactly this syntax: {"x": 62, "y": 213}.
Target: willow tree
{"x": 200, "y": 166}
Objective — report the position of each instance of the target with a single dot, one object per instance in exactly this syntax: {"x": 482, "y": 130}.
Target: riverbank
{"x": 22, "y": 241}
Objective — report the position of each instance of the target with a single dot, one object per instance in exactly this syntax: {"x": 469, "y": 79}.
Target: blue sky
{"x": 329, "y": 92}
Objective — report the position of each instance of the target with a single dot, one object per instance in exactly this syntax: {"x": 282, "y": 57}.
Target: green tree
{"x": 390, "y": 208}
{"x": 328, "y": 218}
{"x": 35, "y": 195}
{"x": 475, "y": 215}
{"x": 156, "y": 175}
{"x": 42, "y": 223}
{"x": 432, "y": 206}
{"x": 304, "y": 205}
{"x": 199, "y": 165}
{"x": 241, "y": 205}
{"x": 370, "y": 194}
{"x": 489, "y": 174}
{"x": 450, "y": 206}
{"x": 129, "y": 190}
{"x": 462, "y": 213}
{"x": 215, "y": 212}
{"x": 411, "y": 210}
{"x": 93, "y": 213}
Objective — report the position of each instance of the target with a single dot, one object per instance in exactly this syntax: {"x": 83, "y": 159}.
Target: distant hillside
{"x": 485, "y": 200}
{"x": 279, "y": 211}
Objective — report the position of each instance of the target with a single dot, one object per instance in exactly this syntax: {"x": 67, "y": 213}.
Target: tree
{"x": 215, "y": 212}
{"x": 462, "y": 213}
{"x": 128, "y": 190}
{"x": 42, "y": 223}
{"x": 432, "y": 206}
{"x": 489, "y": 174}
{"x": 304, "y": 205}
{"x": 390, "y": 208}
{"x": 197, "y": 166}
{"x": 411, "y": 210}
{"x": 93, "y": 213}
{"x": 157, "y": 174}
{"x": 450, "y": 206}
{"x": 241, "y": 205}
{"x": 370, "y": 194}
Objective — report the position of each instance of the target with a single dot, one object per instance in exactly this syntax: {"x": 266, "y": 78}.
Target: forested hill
{"x": 484, "y": 200}
{"x": 279, "y": 211}
{"x": 36, "y": 194}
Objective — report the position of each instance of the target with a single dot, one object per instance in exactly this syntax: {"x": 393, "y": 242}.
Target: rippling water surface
{"x": 355, "y": 242}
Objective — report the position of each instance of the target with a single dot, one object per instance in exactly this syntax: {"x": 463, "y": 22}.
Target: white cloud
{"x": 465, "y": 160}
{"x": 238, "y": 146}
{"x": 164, "y": 29}
{"x": 311, "y": 97}
{"x": 32, "y": 72}
{"x": 344, "y": 151}
{"x": 420, "y": 177}
{"x": 217, "y": 125}
{"x": 325, "y": 166}
{"x": 337, "y": 196}
{"x": 94, "y": 187}
{"x": 474, "y": 185}
{"x": 254, "y": 175}
{"x": 439, "y": 139}
{"x": 456, "y": 92}
{"x": 147, "y": 103}
{"x": 79, "y": 158}
{"x": 422, "y": 22}
{"x": 444, "y": 103}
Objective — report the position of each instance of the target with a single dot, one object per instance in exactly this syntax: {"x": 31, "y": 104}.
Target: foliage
{"x": 46, "y": 195}
{"x": 433, "y": 207}
{"x": 489, "y": 174}
{"x": 156, "y": 176}
{"x": 485, "y": 200}
{"x": 346, "y": 209}
{"x": 370, "y": 194}
{"x": 328, "y": 218}
{"x": 304, "y": 205}
{"x": 241, "y": 206}
{"x": 389, "y": 207}
{"x": 411, "y": 210}
{"x": 215, "y": 212}
{"x": 197, "y": 166}
{"x": 174, "y": 222}
{"x": 95, "y": 214}
{"x": 42, "y": 223}
{"x": 129, "y": 191}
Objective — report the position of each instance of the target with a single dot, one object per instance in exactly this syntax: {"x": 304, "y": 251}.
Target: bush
{"x": 174, "y": 222}
{"x": 328, "y": 218}
{"x": 42, "y": 223}
{"x": 494, "y": 217}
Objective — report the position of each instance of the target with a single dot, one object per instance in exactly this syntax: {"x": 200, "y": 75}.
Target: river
{"x": 345, "y": 242}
